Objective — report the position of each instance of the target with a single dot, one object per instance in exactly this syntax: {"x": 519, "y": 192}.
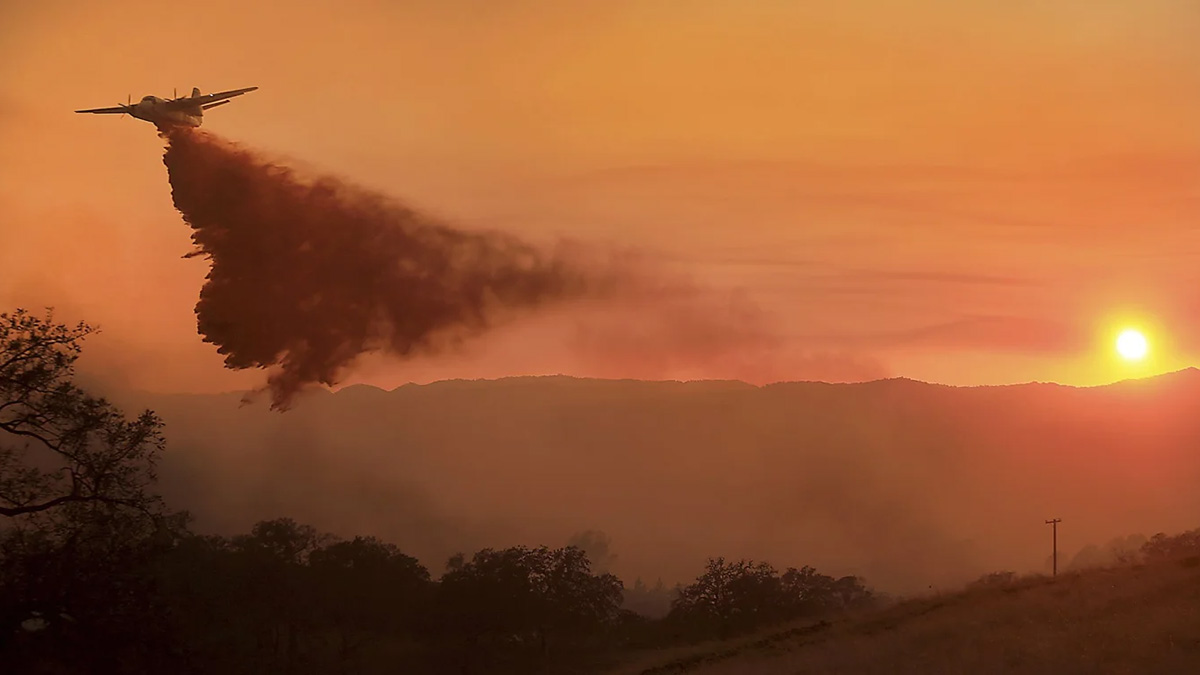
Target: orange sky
{"x": 957, "y": 192}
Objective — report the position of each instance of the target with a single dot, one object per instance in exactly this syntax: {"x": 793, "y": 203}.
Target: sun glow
{"x": 1132, "y": 345}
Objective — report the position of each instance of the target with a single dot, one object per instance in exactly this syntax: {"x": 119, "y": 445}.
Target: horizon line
{"x": 563, "y": 376}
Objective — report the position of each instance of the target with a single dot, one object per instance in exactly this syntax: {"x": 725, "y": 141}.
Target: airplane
{"x": 187, "y": 111}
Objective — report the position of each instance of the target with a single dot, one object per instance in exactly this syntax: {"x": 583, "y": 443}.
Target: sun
{"x": 1132, "y": 345}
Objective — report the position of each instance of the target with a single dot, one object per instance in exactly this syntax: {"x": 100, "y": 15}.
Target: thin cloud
{"x": 976, "y": 333}
{"x": 943, "y": 277}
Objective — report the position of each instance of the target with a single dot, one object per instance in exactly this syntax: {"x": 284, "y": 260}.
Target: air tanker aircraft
{"x": 186, "y": 111}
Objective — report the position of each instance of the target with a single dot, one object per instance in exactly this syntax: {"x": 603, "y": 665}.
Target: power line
{"x": 1055, "y": 523}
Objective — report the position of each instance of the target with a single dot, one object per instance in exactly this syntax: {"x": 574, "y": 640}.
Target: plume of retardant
{"x": 309, "y": 274}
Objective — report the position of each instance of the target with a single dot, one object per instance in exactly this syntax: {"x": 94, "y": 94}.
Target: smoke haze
{"x": 904, "y": 483}
{"x": 307, "y": 275}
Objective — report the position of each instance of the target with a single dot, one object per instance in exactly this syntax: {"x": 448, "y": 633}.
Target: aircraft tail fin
{"x": 195, "y": 92}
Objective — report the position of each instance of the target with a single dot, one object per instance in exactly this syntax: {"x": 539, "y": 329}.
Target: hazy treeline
{"x": 104, "y": 591}
{"x": 107, "y": 591}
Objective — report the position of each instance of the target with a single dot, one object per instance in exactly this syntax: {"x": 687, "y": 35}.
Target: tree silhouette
{"x": 368, "y": 588}
{"x": 273, "y": 582}
{"x": 736, "y": 596}
{"x": 58, "y": 445}
{"x": 806, "y": 591}
{"x": 1164, "y": 547}
{"x": 528, "y": 596}
{"x": 730, "y": 596}
{"x": 88, "y": 575}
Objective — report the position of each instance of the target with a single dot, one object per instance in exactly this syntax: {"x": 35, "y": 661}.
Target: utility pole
{"x": 1055, "y": 523}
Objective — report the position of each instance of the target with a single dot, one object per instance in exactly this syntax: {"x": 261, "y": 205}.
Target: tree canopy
{"x": 734, "y": 596}
{"x": 58, "y": 444}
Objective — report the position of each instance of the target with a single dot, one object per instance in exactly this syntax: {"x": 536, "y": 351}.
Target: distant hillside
{"x": 909, "y": 484}
{"x": 1126, "y": 620}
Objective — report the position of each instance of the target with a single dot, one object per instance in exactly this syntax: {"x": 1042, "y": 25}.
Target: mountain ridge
{"x": 1171, "y": 376}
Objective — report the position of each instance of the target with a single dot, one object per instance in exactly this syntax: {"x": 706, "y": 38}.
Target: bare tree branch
{"x": 77, "y": 448}
{"x": 67, "y": 499}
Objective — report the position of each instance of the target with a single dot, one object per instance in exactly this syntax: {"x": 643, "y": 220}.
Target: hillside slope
{"x": 910, "y": 485}
{"x": 1144, "y": 619}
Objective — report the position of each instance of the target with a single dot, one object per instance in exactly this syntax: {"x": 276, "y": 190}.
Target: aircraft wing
{"x": 106, "y": 111}
{"x": 206, "y": 99}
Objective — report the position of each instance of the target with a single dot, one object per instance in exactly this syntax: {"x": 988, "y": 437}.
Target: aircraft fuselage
{"x": 153, "y": 109}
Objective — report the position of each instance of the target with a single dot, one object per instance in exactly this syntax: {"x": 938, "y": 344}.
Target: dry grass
{"x": 1143, "y": 619}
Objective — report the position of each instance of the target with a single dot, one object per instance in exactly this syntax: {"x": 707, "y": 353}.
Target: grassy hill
{"x": 1137, "y": 619}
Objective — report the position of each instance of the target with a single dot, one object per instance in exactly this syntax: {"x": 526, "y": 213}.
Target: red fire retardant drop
{"x": 309, "y": 274}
